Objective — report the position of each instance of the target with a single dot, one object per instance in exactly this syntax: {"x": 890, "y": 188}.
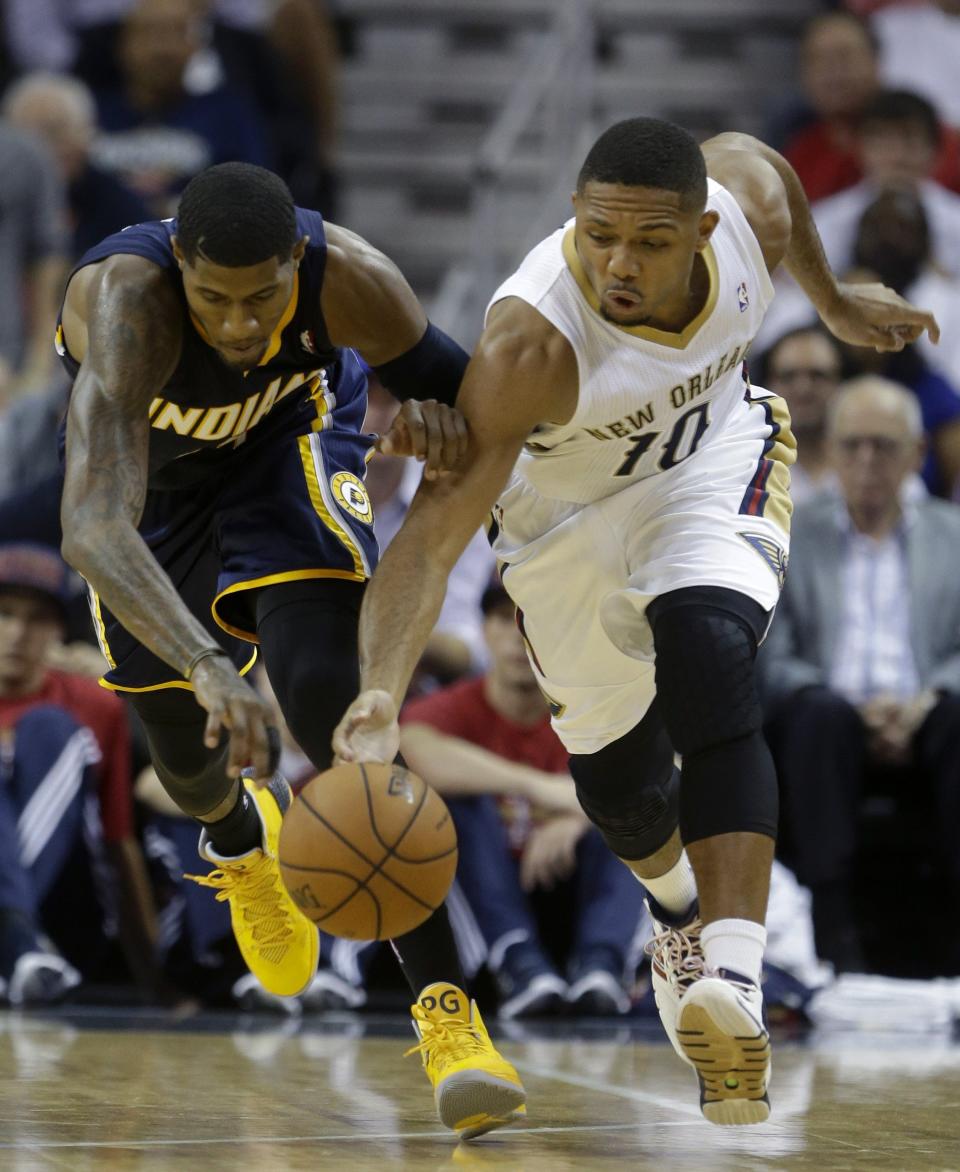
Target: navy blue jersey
{"x": 208, "y": 414}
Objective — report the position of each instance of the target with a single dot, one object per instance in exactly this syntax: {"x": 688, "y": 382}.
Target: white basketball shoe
{"x": 721, "y": 1031}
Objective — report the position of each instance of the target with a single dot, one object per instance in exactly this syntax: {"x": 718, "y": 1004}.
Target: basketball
{"x": 368, "y": 851}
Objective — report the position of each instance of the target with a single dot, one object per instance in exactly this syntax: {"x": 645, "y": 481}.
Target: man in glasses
{"x": 804, "y": 368}
{"x": 862, "y": 664}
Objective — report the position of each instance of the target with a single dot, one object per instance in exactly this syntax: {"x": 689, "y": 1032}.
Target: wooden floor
{"x": 121, "y": 1092}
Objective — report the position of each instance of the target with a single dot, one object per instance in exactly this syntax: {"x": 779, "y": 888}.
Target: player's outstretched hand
{"x": 369, "y": 730}
{"x": 873, "y": 315}
{"x": 232, "y": 704}
{"x": 432, "y": 432}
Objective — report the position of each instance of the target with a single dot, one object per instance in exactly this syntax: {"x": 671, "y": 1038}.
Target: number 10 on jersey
{"x": 682, "y": 442}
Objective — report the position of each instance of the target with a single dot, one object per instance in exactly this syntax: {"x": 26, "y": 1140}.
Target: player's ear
{"x": 177, "y": 252}
{"x": 708, "y": 222}
{"x": 299, "y": 249}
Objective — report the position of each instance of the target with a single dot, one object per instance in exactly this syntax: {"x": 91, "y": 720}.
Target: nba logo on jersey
{"x": 742, "y": 299}
{"x": 307, "y": 341}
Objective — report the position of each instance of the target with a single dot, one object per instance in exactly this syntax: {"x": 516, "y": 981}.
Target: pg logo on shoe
{"x": 449, "y": 1001}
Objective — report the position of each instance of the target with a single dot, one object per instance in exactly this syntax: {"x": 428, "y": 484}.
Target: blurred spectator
{"x": 838, "y": 75}
{"x": 28, "y": 450}
{"x": 861, "y": 670}
{"x": 61, "y": 111}
{"x": 487, "y": 745}
{"x": 456, "y": 645}
{"x": 920, "y": 49}
{"x": 283, "y": 52}
{"x": 33, "y": 261}
{"x": 893, "y": 241}
{"x": 898, "y": 138}
{"x": 65, "y": 761}
{"x": 157, "y": 135}
{"x": 804, "y": 366}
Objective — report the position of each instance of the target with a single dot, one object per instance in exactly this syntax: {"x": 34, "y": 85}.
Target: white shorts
{"x": 582, "y": 576}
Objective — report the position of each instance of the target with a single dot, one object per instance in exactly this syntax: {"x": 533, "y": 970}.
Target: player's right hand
{"x": 369, "y": 730}
{"x": 232, "y": 704}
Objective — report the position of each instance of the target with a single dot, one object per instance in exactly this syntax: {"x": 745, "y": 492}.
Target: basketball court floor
{"x": 127, "y": 1090}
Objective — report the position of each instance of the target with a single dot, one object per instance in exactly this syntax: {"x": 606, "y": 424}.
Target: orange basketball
{"x": 368, "y": 851}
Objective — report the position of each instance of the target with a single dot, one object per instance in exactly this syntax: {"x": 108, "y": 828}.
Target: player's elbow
{"x": 82, "y": 537}
{"x": 75, "y": 548}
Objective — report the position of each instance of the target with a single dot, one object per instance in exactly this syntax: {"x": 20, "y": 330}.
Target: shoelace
{"x": 446, "y": 1034}
{"x": 679, "y": 954}
{"x": 259, "y": 885}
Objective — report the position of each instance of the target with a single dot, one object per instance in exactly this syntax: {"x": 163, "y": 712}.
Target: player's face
{"x": 30, "y": 626}
{"x": 637, "y": 246}
{"x": 239, "y": 308}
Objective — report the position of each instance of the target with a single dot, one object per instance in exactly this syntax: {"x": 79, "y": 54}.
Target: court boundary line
{"x": 353, "y": 1137}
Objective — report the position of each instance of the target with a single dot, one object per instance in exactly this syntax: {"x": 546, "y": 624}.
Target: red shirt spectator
{"x": 463, "y": 711}
{"x": 103, "y": 713}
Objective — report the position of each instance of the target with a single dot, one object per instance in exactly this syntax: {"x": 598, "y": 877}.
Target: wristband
{"x": 207, "y": 653}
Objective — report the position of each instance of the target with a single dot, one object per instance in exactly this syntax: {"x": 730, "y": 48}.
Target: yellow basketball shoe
{"x": 279, "y": 944}
{"x": 475, "y": 1089}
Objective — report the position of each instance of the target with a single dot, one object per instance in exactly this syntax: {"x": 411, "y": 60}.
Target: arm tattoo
{"x": 133, "y": 345}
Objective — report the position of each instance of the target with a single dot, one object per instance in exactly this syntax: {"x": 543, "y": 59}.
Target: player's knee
{"x": 630, "y": 790}
{"x": 705, "y": 673}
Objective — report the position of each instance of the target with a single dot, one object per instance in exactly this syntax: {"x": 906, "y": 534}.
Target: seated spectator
{"x": 896, "y": 142}
{"x": 456, "y": 646}
{"x": 919, "y": 50}
{"x": 804, "y": 366}
{"x": 486, "y": 744}
{"x": 61, "y": 111}
{"x": 898, "y": 139}
{"x": 893, "y": 241}
{"x": 861, "y": 669}
{"x": 33, "y": 262}
{"x": 838, "y": 76}
{"x": 65, "y": 764}
{"x": 155, "y": 134}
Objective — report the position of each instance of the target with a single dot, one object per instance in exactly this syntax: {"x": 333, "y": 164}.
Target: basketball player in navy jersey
{"x": 214, "y": 501}
{"x": 639, "y": 488}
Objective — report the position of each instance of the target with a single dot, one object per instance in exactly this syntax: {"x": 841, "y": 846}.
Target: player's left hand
{"x": 874, "y": 315}
{"x": 432, "y": 432}
{"x": 369, "y": 730}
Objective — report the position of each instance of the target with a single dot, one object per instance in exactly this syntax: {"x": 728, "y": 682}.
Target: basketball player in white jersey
{"x": 639, "y": 495}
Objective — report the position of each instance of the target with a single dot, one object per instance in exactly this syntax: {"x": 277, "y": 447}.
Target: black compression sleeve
{"x": 432, "y": 369}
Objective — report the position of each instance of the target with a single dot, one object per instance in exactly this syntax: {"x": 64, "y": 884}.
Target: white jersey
{"x": 648, "y": 398}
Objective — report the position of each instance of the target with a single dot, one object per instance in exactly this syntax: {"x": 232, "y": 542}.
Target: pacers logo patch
{"x": 351, "y": 494}
{"x": 771, "y": 553}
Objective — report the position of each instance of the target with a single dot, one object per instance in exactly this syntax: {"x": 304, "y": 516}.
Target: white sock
{"x": 675, "y": 891}
{"x": 735, "y": 944}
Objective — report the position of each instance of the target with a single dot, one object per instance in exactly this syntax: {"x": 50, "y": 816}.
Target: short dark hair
{"x": 902, "y": 106}
{"x": 648, "y": 152}
{"x": 236, "y": 214}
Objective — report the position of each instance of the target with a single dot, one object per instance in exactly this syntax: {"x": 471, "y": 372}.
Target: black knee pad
{"x": 629, "y": 789}
{"x": 706, "y": 642}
